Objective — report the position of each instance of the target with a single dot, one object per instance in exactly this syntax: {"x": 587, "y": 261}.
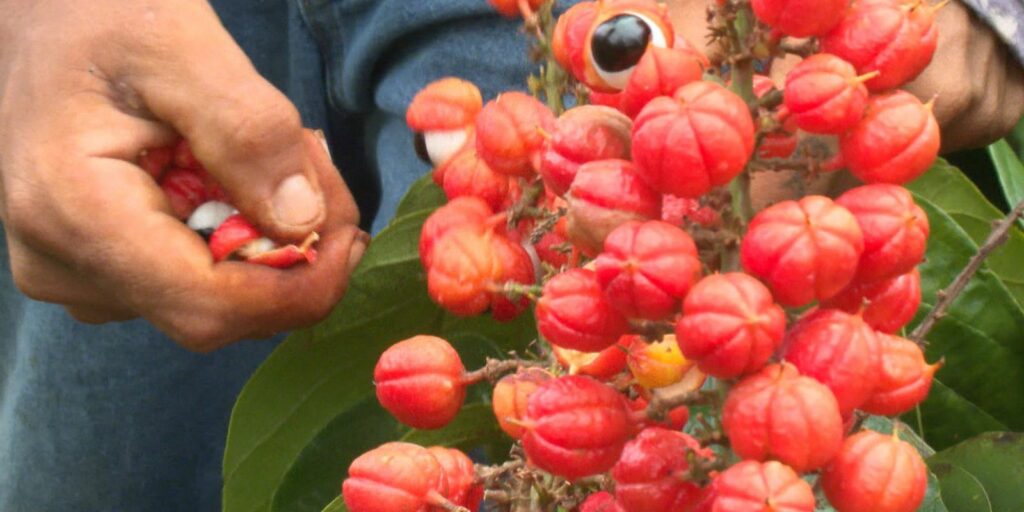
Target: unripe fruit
{"x": 802, "y": 18}
{"x": 752, "y": 486}
{"x": 569, "y": 40}
{"x": 419, "y": 381}
{"x": 602, "y": 501}
{"x": 839, "y": 350}
{"x": 604, "y": 195}
{"x": 660, "y": 364}
{"x": 463, "y": 211}
{"x": 803, "y": 250}
{"x": 887, "y": 305}
{"x": 699, "y": 139}
{"x": 466, "y": 174}
{"x": 463, "y": 269}
{"x": 509, "y": 133}
{"x": 660, "y": 72}
{"x": 824, "y": 94}
{"x": 895, "y": 142}
{"x": 875, "y": 472}
{"x": 895, "y": 230}
{"x": 730, "y": 325}
{"x": 573, "y": 313}
{"x": 601, "y": 365}
{"x": 576, "y": 427}
{"x": 511, "y": 396}
{"x": 893, "y": 37}
{"x": 458, "y": 470}
{"x": 583, "y": 134}
{"x": 904, "y": 379}
{"x": 516, "y": 267}
{"x": 647, "y": 268}
{"x": 779, "y": 414}
{"x": 394, "y": 476}
{"x": 650, "y": 474}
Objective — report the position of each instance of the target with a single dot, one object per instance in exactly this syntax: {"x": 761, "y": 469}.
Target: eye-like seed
{"x": 209, "y": 216}
{"x": 620, "y": 42}
{"x": 419, "y": 142}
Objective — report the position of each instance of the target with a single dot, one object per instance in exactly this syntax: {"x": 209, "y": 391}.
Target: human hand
{"x": 84, "y": 87}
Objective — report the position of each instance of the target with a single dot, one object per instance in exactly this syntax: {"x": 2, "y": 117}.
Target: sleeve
{"x": 1006, "y": 18}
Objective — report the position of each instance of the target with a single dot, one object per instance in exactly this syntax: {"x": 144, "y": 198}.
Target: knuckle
{"x": 263, "y": 119}
{"x": 200, "y": 333}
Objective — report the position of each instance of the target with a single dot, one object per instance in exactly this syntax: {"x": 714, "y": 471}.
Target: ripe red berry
{"x": 885, "y": 305}
{"x": 752, "y": 486}
{"x": 602, "y": 501}
{"x": 582, "y": 134}
{"x": 839, "y": 350}
{"x": 651, "y": 474}
{"x": 621, "y": 33}
{"x": 463, "y": 270}
{"x": 394, "y": 476}
{"x": 573, "y": 313}
{"x": 699, "y": 139}
{"x": 779, "y": 414}
{"x": 185, "y": 190}
{"x": 660, "y": 72}
{"x": 553, "y": 248}
{"x": 730, "y": 325}
{"x": 509, "y": 133}
{"x": 511, "y": 396}
{"x": 446, "y": 104}
{"x": 458, "y": 470}
{"x": 604, "y": 195}
{"x": 516, "y": 267}
{"x": 904, "y": 379}
{"x": 601, "y": 365}
{"x": 466, "y": 174}
{"x": 419, "y": 381}
{"x": 647, "y": 268}
{"x": 895, "y": 142}
{"x": 576, "y": 427}
{"x": 803, "y": 250}
{"x": 462, "y": 211}
{"x": 875, "y": 472}
{"x": 802, "y": 18}
{"x": 895, "y": 230}
{"x": 824, "y": 94}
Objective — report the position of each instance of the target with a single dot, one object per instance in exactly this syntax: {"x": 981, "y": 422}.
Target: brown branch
{"x": 495, "y": 369}
{"x": 1000, "y": 233}
{"x": 667, "y": 398}
{"x": 802, "y": 49}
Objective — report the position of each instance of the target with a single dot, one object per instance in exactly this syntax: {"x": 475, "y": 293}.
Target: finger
{"x": 98, "y": 315}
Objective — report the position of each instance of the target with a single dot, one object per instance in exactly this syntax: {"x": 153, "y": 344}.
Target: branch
{"x": 1000, "y": 232}
{"x": 667, "y": 398}
{"x": 495, "y": 369}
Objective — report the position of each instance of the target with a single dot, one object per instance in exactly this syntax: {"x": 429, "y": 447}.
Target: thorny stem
{"x": 1000, "y": 233}
{"x": 495, "y": 369}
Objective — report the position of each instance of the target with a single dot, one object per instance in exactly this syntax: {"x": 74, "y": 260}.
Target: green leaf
{"x": 423, "y": 194}
{"x": 985, "y": 471}
{"x": 1010, "y": 171}
{"x": 321, "y": 374}
{"x": 338, "y": 505}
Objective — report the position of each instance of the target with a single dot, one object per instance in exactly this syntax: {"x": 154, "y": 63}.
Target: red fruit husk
{"x": 875, "y": 472}
{"x": 237, "y": 238}
{"x": 895, "y": 142}
{"x": 393, "y": 476}
{"x": 779, "y": 414}
{"x": 576, "y": 427}
{"x": 839, "y": 350}
{"x": 750, "y": 486}
{"x": 512, "y": 8}
{"x": 697, "y": 140}
{"x": 601, "y": 365}
{"x": 660, "y": 72}
{"x": 675, "y": 419}
{"x": 551, "y": 248}
{"x": 824, "y": 95}
{"x": 156, "y": 161}
{"x": 510, "y": 133}
{"x": 445, "y": 104}
{"x": 653, "y": 12}
{"x": 287, "y": 255}
{"x": 904, "y": 380}
{"x": 582, "y": 134}
{"x": 647, "y": 268}
{"x": 895, "y": 230}
{"x": 466, "y": 174}
{"x": 730, "y": 325}
{"x": 569, "y": 40}
{"x": 512, "y": 394}
{"x": 463, "y": 270}
{"x": 462, "y": 211}
{"x": 516, "y": 267}
{"x": 650, "y": 475}
{"x": 804, "y": 250}
{"x": 604, "y": 195}
{"x": 800, "y": 18}
{"x": 185, "y": 190}
{"x": 573, "y": 313}
{"x": 602, "y": 501}
{"x": 419, "y": 381}
{"x": 886, "y": 306}
{"x": 458, "y": 470}
{"x": 231, "y": 236}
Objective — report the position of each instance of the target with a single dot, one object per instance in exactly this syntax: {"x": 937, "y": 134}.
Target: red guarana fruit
{"x": 679, "y": 211}
{"x": 904, "y": 380}
{"x": 730, "y": 325}
{"x": 510, "y": 133}
{"x": 516, "y": 267}
{"x": 752, "y": 486}
{"x": 185, "y": 190}
{"x": 804, "y": 250}
{"x": 156, "y": 161}
{"x": 647, "y": 268}
{"x": 601, "y": 365}
{"x": 779, "y": 414}
{"x": 660, "y": 72}
{"x": 394, "y": 476}
{"x": 466, "y": 174}
{"x": 674, "y": 419}
{"x": 419, "y": 381}
{"x": 602, "y": 501}
{"x": 895, "y": 142}
{"x": 700, "y": 138}
{"x": 605, "y": 99}
{"x": 511, "y": 8}
{"x": 824, "y": 94}
{"x": 894, "y": 37}
{"x": 839, "y": 350}
{"x": 458, "y": 470}
{"x": 553, "y": 248}
{"x": 573, "y": 313}
{"x": 887, "y": 305}
{"x": 653, "y": 15}
{"x": 604, "y": 195}
{"x": 782, "y": 142}
{"x": 895, "y": 230}
{"x": 582, "y": 134}
{"x": 237, "y": 238}
{"x": 569, "y": 40}
{"x": 231, "y": 236}
{"x": 512, "y": 394}
{"x": 800, "y": 18}
{"x": 463, "y": 270}
{"x": 651, "y": 474}
{"x": 462, "y": 211}
{"x": 575, "y": 427}
{"x": 875, "y": 472}
{"x": 446, "y": 104}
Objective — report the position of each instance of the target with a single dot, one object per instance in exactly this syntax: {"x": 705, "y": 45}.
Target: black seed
{"x": 420, "y": 143}
{"x": 620, "y": 42}
{"x": 206, "y": 233}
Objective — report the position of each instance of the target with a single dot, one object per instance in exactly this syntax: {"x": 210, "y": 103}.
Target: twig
{"x": 667, "y": 398}
{"x": 495, "y": 369}
{"x": 1000, "y": 233}
{"x": 803, "y": 49}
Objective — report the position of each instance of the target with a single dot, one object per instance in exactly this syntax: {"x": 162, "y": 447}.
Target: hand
{"x": 85, "y": 86}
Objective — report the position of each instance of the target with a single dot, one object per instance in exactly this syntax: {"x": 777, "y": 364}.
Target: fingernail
{"x": 319, "y": 134}
{"x": 355, "y": 253}
{"x": 295, "y": 203}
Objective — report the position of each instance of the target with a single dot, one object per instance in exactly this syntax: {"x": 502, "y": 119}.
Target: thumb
{"x": 242, "y": 129}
